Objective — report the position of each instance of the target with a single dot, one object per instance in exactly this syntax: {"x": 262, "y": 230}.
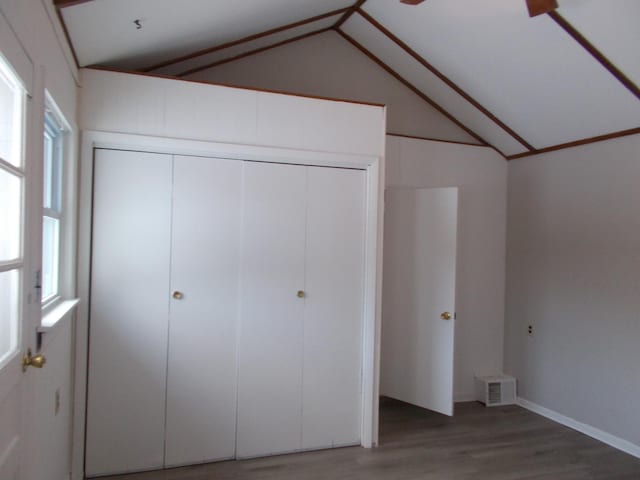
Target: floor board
{"x": 499, "y": 443}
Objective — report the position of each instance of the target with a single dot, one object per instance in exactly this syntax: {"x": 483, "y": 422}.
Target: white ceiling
{"x": 613, "y": 26}
{"x": 103, "y": 32}
{"x": 527, "y": 72}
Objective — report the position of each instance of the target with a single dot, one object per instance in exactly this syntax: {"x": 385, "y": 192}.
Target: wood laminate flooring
{"x": 478, "y": 443}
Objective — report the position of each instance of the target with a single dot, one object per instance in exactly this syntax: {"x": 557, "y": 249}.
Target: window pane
{"x": 53, "y": 137}
{"x": 10, "y": 118}
{"x": 9, "y": 294}
{"x": 47, "y": 197}
{"x": 10, "y": 215}
{"x": 50, "y": 257}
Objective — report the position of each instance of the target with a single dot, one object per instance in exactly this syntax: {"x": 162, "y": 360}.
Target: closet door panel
{"x": 271, "y": 328}
{"x": 129, "y": 312}
{"x": 201, "y": 385}
{"x": 333, "y": 307}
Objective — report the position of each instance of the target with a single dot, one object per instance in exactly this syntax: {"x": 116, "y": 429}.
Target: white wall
{"x": 481, "y": 175}
{"x": 139, "y": 104}
{"x": 574, "y": 275}
{"x": 32, "y": 40}
{"x": 327, "y": 65}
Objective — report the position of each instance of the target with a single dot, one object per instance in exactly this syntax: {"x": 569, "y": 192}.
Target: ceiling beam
{"x": 577, "y": 143}
{"x": 69, "y": 3}
{"x": 59, "y": 4}
{"x": 253, "y": 52}
{"x": 431, "y": 139}
{"x": 540, "y": 7}
{"x": 250, "y": 38}
{"x": 445, "y": 79}
{"x": 595, "y": 53}
{"x": 415, "y": 90}
{"x": 350, "y": 12}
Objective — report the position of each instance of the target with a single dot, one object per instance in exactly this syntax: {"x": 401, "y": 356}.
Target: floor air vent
{"x": 495, "y": 391}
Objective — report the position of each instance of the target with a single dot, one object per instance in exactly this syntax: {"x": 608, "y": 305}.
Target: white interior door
{"x": 271, "y": 325}
{"x": 418, "y": 290}
{"x": 15, "y": 329}
{"x": 128, "y": 312}
{"x": 16, "y": 225}
{"x": 334, "y": 272}
{"x": 205, "y": 260}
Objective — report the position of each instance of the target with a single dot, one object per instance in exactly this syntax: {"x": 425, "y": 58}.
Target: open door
{"x": 418, "y": 303}
{"x": 17, "y": 334}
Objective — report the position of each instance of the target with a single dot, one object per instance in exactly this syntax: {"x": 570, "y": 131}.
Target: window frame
{"x": 58, "y": 130}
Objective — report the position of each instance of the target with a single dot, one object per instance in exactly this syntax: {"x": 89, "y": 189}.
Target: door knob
{"x": 177, "y": 295}
{"x": 36, "y": 361}
{"x": 301, "y": 294}
{"x": 446, "y": 316}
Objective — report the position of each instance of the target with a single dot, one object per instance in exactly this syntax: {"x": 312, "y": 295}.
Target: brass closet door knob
{"x": 446, "y": 316}
{"x": 301, "y": 294}
{"x": 177, "y": 295}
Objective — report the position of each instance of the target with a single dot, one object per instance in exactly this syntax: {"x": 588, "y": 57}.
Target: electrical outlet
{"x": 530, "y": 330}
{"x": 57, "y": 402}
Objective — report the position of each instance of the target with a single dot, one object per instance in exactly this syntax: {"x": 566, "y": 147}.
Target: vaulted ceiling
{"x": 519, "y": 84}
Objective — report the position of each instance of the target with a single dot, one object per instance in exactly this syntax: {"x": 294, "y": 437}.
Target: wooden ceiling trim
{"x": 595, "y": 53}
{"x": 415, "y": 90}
{"x": 250, "y": 38}
{"x": 414, "y": 137}
{"x": 69, "y": 3}
{"x": 540, "y": 7}
{"x": 445, "y": 79}
{"x": 238, "y": 87}
{"x": 577, "y": 143}
{"x": 65, "y": 30}
{"x": 253, "y": 52}
{"x": 349, "y": 12}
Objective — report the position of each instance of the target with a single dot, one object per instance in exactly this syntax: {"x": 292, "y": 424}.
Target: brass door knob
{"x": 446, "y": 316}
{"x": 177, "y": 295}
{"x": 36, "y": 361}
{"x": 301, "y": 294}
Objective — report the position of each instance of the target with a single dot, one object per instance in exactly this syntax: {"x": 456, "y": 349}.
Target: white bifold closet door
{"x": 162, "y": 370}
{"x": 301, "y": 309}
{"x": 205, "y": 259}
{"x": 226, "y": 310}
{"x": 129, "y": 311}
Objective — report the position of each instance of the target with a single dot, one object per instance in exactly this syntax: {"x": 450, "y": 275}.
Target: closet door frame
{"x": 374, "y": 167}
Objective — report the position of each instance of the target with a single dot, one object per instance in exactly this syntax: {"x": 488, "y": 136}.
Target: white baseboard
{"x": 593, "y": 432}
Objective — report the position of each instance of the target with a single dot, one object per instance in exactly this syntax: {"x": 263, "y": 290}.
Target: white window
{"x": 11, "y": 208}
{"x": 53, "y": 211}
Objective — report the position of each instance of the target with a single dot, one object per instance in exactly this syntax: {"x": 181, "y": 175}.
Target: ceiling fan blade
{"x": 538, "y": 7}
{"x": 412, "y": 2}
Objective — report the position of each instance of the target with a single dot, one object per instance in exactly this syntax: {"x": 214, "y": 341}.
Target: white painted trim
{"x": 146, "y": 143}
{"x": 373, "y": 165}
{"x": 57, "y": 313}
{"x": 593, "y": 432}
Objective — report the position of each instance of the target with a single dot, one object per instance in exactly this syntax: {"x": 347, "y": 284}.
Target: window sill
{"x": 59, "y": 312}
